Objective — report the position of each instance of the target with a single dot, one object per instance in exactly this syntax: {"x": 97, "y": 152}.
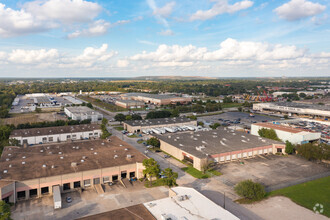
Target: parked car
{"x": 167, "y": 156}
{"x": 68, "y": 199}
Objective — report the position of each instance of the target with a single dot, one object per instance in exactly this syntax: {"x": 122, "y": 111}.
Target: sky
{"x": 129, "y": 38}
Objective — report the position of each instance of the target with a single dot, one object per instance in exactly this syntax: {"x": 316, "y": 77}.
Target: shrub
{"x": 289, "y": 147}
{"x": 268, "y": 133}
{"x": 250, "y": 190}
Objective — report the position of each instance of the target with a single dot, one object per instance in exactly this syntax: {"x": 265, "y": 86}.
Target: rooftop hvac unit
{"x": 10, "y": 165}
{"x": 95, "y": 153}
{"x": 115, "y": 156}
{"x": 53, "y": 166}
{"x": 24, "y": 157}
{"x": 92, "y": 148}
{"x": 23, "y": 162}
{"x": 84, "y": 157}
{"x": 126, "y": 149}
{"x": 129, "y": 156}
{"x": 73, "y": 164}
{"x": 41, "y": 151}
{"x": 60, "y": 152}
{"x": 82, "y": 161}
{"x": 61, "y": 158}
{"x": 44, "y": 166}
{"x": 7, "y": 159}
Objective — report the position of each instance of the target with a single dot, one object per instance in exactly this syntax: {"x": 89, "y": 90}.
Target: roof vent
{"x": 120, "y": 145}
{"x": 7, "y": 159}
{"x": 9, "y": 155}
{"x": 44, "y": 166}
{"x": 24, "y": 157}
{"x": 129, "y": 156}
{"x": 74, "y": 147}
{"x": 48, "y": 148}
{"x": 126, "y": 148}
{"x": 102, "y": 143}
{"x": 73, "y": 164}
{"x": 77, "y": 148}
{"x": 61, "y": 158}
{"x": 82, "y": 161}
{"x": 60, "y": 152}
{"x": 92, "y": 148}
{"x": 95, "y": 153}
{"x": 5, "y": 171}
{"x": 10, "y": 165}
{"x": 23, "y": 162}
{"x": 84, "y": 157}
{"x": 115, "y": 156}
{"x": 53, "y": 166}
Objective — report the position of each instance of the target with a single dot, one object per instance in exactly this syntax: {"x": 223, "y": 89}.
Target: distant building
{"x": 33, "y": 172}
{"x": 82, "y": 113}
{"x": 220, "y": 145}
{"x": 294, "y": 108}
{"x": 138, "y": 125}
{"x": 157, "y": 99}
{"x": 287, "y": 133}
{"x": 56, "y": 134}
{"x": 129, "y": 104}
{"x": 312, "y": 93}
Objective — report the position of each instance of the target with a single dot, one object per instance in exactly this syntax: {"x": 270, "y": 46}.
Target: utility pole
{"x": 224, "y": 200}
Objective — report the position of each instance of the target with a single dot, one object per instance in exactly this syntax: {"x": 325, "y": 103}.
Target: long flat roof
{"x": 222, "y": 140}
{"x": 82, "y": 110}
{"x": 153, "y": 96}
{"x": 188, "y": 203}
{"x": 18, "y": 163}
{"x": 54, "y": 130}
{"x": 300, "y": 105}
{"x": 135, "y": 212}
{"x": 130, "y": 101}
{"x": 282, "y": 128}
{"x": 158, "y": 121}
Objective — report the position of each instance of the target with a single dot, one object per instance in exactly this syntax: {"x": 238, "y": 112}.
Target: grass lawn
{"x": 133, "y": 136}
{"x": 308, "y": 194}
{"x": 119, "y": 128}
{"x": 140, "y": 141}
{"x": 230, "y": 105}
{"x": 200, "y": 175}
{"x": 155, "y": 183}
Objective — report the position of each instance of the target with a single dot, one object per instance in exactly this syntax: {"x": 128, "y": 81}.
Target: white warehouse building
{"x": 56, "y": 134}
{"x": 82, "y": 113}
{"x": 287, "y": 133}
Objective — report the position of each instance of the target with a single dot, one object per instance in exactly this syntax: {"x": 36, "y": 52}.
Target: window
{"x": 90, "y": 134}
{"x": 45, "y": 190}
{"x": 50, "y": 139}
{"x": 66, "y": 186}
{"x": 87, "y": 182}
{"x": 96, "y": 134}
{"x": 68, "y": 136}
{"x": 44, "y": 139}
{"x": 76, "y": 184}
{"x": 279, "y": 150}
{"x": 74, "y": 136}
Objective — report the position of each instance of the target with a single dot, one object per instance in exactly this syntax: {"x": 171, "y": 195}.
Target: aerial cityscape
{"x": 165, "y": 109}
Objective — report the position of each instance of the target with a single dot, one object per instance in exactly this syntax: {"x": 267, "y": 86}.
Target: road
{"x": 212, "y": 188}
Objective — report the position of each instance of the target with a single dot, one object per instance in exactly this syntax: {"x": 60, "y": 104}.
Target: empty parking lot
{"x": 270, "y": 170}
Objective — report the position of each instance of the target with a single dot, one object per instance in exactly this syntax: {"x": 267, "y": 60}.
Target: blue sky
{"x": 77, "y": 38}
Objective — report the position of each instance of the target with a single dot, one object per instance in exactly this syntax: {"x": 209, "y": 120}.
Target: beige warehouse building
{"x": 221, "y": 145}
{"x": 157, "y": 99}
{"x": 129, "y": 104}
{"x": 138, "y": 125}
{"x": 34, "y": 171}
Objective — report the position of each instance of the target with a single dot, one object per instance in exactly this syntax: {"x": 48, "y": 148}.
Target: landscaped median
{"x": 313, "y": 195}
{"x": 199, "y": 174}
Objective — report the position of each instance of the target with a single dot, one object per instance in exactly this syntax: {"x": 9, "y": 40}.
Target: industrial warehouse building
{"x": 287, "y": 133}
{"x": 82, "y": 113}
{"x": 138, "y": 125}
{"x": 220, "y": 145}
{"x": 157, "y": 99}
{"x": 56, "y": 134}
{"x": 294, "y": 108}
{"x": 35, "y": 171}
{"x": 130, "y": 104}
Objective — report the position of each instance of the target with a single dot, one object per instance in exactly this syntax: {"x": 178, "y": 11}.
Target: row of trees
{"x": 51, "y": 124}
{"x": 121, "y": 117}
{"x": 268, "y": 133}
{"x": 314, "y": 151}
{"x": 105, "y": 132}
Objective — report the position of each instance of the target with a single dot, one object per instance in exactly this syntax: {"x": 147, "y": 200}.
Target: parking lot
{"x": 270, "y": 170}
{"x": 231, "y": 117}
{"x": 88, "y": 202}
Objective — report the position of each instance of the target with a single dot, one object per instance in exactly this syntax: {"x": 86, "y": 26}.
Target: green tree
{"x": 4, "y": 211}
{"x": 314, "y": 151}
{"x": 200, "y": 123}
{"x": 286, "y": 117}
{"x": 89, "y": 105}
{"x": 128, "y": 117}
{"x": 175, "y": 113}
{"x": 170, "y": 179}
{"x": 240, "y": 109}
{"x": 268, "y": 133}
{"x": 151, "y": 169}
{"x": 214, "y": 126}
{"x": 250, "y": 190}
{"x": 158, "y": 114}
{"x": 136, "y": 117}
{"x": 289, "y": 147}
{"x": 120, "y": 117}
{"x": 38, "y": 110}
{"x": 104, "y": 121}
{"x": 153, "y": 142}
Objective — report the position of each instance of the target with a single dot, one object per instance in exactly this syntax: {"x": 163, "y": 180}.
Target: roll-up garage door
{"x": 260, "y": 151}
{"x": 265, "y": 151}
{"x": 250, "y": 154}
{"x": 233, "y": 156}
{"x": 245, "y": 154}
{"x": 222, "y": 159}
{"x": 270, "y": 150}
{"x": 228, "y": 157}
{"x": 239, "y": 155}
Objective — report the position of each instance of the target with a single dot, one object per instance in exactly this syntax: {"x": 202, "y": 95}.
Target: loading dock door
{"x": 260, "y": 151}
{"x": 270, "y": 150}
{"x": 239, "y": 155}
{"x": 222, "y": 159}
{"x": 265, "y": 151}
{"x": 233, "y": 156}
{"x": 250, "y": 154}
{"x": 228, "y": 157}
{"x": 97, "y": 181}
{"x": 244, "y": 154}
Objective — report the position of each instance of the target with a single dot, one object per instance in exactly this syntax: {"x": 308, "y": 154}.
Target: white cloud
{"x": 298, "y": 9}
{"x": 220, "y": 7}
{"x": 32, "y": 56}
{"x": 65, "y": 11}
{"x": 160, "y": 18}
{"x": 97, "y": 28}
{"x": 167, "y": 33}
{"x": 39, "y": 16}
{"x": 122, "y": 63}
{"x": 166, "y": 10}
{"x": 96, "y": 54}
